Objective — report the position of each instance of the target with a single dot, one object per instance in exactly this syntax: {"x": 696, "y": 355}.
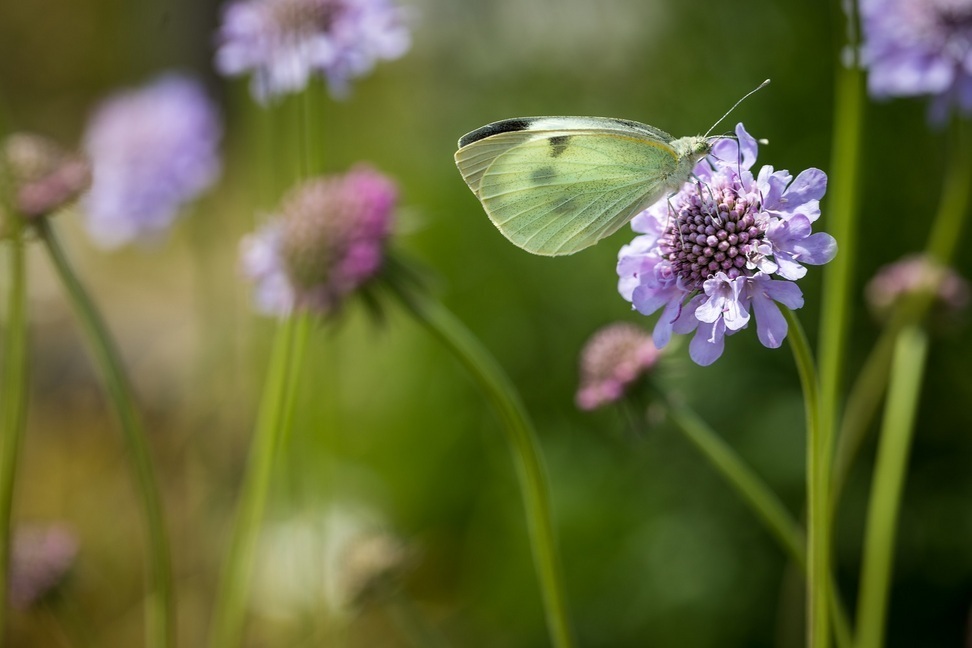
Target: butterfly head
{"x": 692, "y": 149}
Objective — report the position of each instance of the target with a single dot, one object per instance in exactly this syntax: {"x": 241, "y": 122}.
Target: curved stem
{"x": 160, "y": 614}
{"x": 758, "y": 495}
{"x": 818, "y": 522}
{"x": 273, "y": 421}
{"x": 889, "y": 473}
{"x": 534, "y": 489}
{"x": 753, "y": 490}
{"x": 13, "y": 401}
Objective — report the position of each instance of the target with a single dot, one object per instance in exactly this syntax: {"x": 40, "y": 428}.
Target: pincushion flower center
{"x": 305, "y": 17}
{"x": 715, "y": 229}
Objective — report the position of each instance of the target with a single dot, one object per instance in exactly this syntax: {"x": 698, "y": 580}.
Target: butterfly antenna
{"x": 746, "y": 96}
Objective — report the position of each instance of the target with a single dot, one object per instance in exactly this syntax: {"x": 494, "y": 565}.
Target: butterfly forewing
{"x": 555, "y": 192}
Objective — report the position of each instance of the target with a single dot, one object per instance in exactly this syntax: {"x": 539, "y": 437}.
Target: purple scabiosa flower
{"x": 914, "y": 275}
{"x": 919, "y": 47}
{"x": 284, "y": 42}
{"x": 40, "y": 558}
{"x": 613, "y": 359}
{"x": 40, "y": 176}
{"x": 327, "y": 241}
{"x": 152, "y": 149}
{"x": 725, "y": 248}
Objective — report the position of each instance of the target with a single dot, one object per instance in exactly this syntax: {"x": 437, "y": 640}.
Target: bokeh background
{"x": 657, "y": 551}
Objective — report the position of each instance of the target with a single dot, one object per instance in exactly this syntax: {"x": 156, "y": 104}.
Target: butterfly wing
{"x": 556, "y": 185}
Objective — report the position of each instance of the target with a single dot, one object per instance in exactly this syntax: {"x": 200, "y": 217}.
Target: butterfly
{"x": 556, "y": 185}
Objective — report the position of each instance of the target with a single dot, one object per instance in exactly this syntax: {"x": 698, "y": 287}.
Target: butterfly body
{"x": 556, "y": 185}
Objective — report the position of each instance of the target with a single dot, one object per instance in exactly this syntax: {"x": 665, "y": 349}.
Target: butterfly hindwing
{"x": 558, "y": 189}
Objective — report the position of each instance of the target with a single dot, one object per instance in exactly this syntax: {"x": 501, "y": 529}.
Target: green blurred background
{"x": 657, "y": 551}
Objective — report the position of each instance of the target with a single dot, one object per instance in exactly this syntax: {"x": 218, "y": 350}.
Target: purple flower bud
{"x": 40, "y": 175}
{"x": 611, "y": 361}
{"x": 327, "y": 241}
{"x": 40, "y": 558}
{"x": 914, "y": 275}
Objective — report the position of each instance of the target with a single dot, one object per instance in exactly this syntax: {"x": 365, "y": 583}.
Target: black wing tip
{"x": 503, "y": 126}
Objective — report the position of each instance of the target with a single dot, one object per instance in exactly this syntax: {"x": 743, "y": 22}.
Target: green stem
{"x": 753, "y": 490}
{"x": 868, "y": 388}
{"x": 273, "y": 421}
{"x": 160, "y": 613}
{"x": 758, "y": 495}
{"x": 818, "y": 523}
{"x": 889, "y": 473}
{"x": 534, "y": 489}
{"x": 13, "y": 399}
{"x": 954, "y": 206}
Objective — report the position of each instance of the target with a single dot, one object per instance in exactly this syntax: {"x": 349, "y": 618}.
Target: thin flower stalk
{"x": 160, "y": 606}
{"x": 868, "y": 388}
{"x": 763, "y": 502}
{"x": 273, "y": 422}
{"x": 889, "y": 474}
{"x": 819, "y": 598}
{"x": 753, "y": 490}
{"x": 954, "y": 206}
{"x": 13, "y": 405}
{"x": 521, "y": 436}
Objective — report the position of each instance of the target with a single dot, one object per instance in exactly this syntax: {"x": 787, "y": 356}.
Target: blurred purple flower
{"x": 611, "y": 361}
{"x": 152, "y": 149}
{"x": 40, "y": 558}
{"x": 707, "y": 255}
{"x": 327, "y": 241}
{"x": 284, "y": 42}
{"x": 914, "y": 275}
{"x": 919, "y": 47}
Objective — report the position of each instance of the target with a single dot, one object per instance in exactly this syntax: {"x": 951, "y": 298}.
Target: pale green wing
{"x": 479, "y": 148}
{"x": 558, "y": 192}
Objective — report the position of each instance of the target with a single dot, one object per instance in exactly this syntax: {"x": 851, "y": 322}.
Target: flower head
{"x": 40, "y": 175}
{"x": 919, "y": 47}
{"x": 41, "y": 556}
{"x": 724, "y": 249}
{"x": 613, "y": 359}
{"x": 914, "y": 275}
{"x": 327, "y": 241}
{"x": 284, "y": 42}
{"x": 152, "y": 149}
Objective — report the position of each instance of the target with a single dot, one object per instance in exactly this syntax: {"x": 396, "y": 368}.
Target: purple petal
{"x": 662, "y": 333}
{"x": 785, "y": 292}
{"x": 708, "y": 343}
{"x": 723, "y": 303}
{"x": 811, "y": 184}
{"x": 771, "y": 326}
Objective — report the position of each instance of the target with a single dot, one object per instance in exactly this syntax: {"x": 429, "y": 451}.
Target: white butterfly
{"x": 556, "y": 185}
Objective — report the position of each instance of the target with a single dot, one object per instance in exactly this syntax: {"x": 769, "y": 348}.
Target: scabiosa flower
{"x": 152, "y": 150}
{"x": 613, "y": 359}
{"x": 914, "y": 275}
{"x": 40, "y": 558}
{"x": 326, "y": 242}
{"x": 919, "y": 47}
{"x": 730, "y": 244}
{"x": 40, "y": 175}
{"x": 284, "y": 42}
